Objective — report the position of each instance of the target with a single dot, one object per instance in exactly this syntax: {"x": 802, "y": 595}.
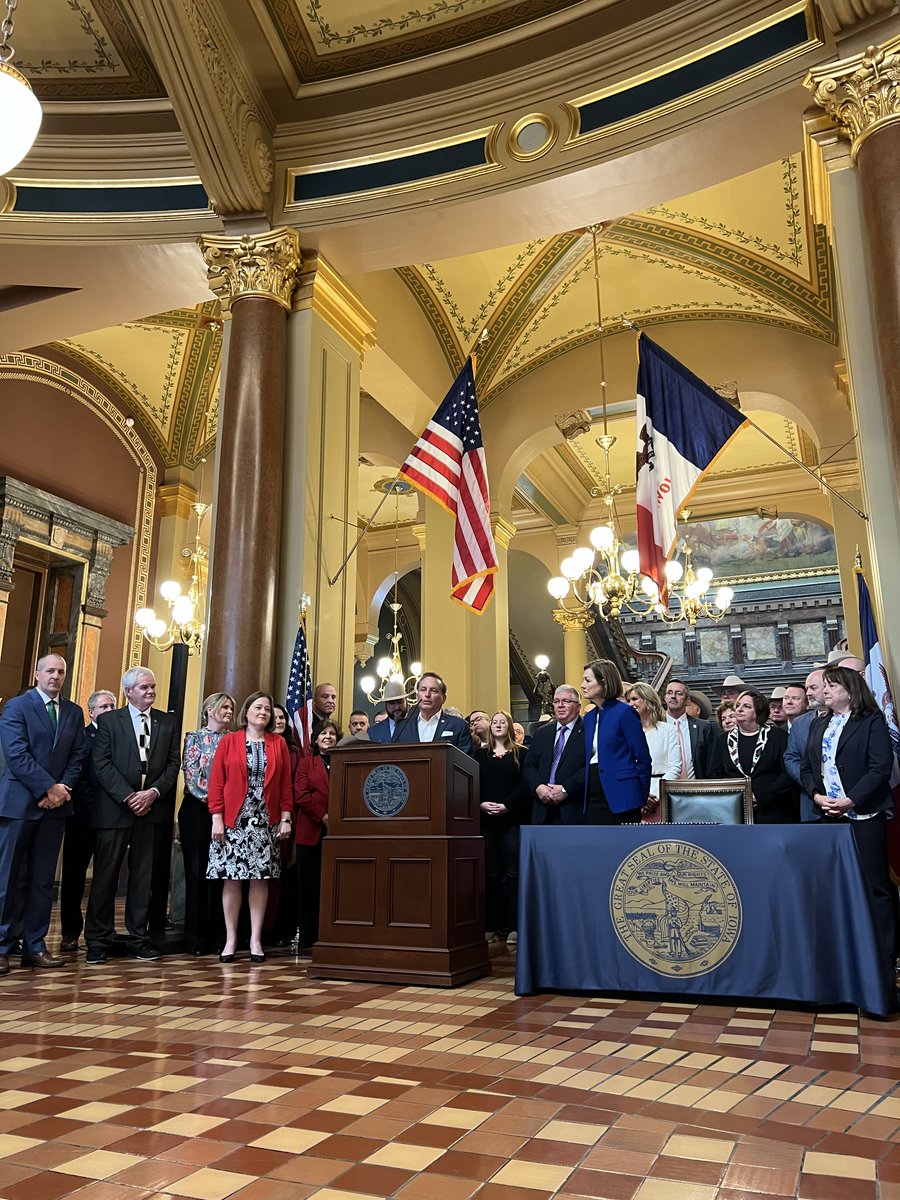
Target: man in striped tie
{"x": 554, "y": 766}
{"x": 135, "y": 762}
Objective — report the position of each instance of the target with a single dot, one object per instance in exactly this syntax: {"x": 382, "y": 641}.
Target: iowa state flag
{"x": 682, "y": 427}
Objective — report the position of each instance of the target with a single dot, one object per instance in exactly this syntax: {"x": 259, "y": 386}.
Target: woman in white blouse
{"x": 662, "y": 743}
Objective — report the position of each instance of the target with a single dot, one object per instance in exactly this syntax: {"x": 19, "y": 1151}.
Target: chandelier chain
{"x": 6, "y": 29}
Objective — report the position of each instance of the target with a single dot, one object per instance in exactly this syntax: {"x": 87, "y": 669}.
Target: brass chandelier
{"x": 186, "y": 625}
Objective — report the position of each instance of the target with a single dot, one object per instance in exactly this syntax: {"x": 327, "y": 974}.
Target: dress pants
{"x": 204, "y": 921}
{"x": 78, "y": 850}
{"x": 871, "y": 846}
{"x": 140, "y": 841}
{"x": 309, "y": 878}
{"x": 501, "y": 875}
{"x": 28, "y": 854}
{"x": 598, "y": 810}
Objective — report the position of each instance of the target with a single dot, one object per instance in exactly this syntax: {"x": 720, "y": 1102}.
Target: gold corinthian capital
{"x": 262, "y": 264}
{"x": 861, "y": 93}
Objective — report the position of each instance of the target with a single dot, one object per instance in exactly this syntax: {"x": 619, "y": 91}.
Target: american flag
{"x": 298, "y": 700}
{"x": 447, "y": 463}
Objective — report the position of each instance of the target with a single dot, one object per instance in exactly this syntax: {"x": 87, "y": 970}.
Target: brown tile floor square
{"x": 467, "y": 1166}
{"x": 46, "y": 1186}
{"x": 372, "y": 1179}
{"x": 351, "y": 1149}
{"x": 564, "y": 1154}
{"x": 439, "y": 1187}
{"x": 431, "y": 1135}
{"x": 602, "y": 1184}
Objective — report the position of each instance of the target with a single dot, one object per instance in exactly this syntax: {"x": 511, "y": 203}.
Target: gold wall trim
{"x": 861, "y": 94}
{"x": 34, "y": 368}
{"x": 175, "y": 500}
{"x": 263, "y": 264}
{"x": 815, "y": 38}
{"x": 322, "y": 290}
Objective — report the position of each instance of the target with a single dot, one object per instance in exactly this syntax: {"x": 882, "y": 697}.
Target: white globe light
{"x": 541, "y": 661}
{"x": 570, "y": 568}
{"x": 383, "y": 667}
{"x": 170, "y": 590}
{"x": 21, "y": 117}
{"x": 631, "y": 561}
{"x": 704, "y": 575}
{"x": 724, "y": 597}
{"x": 596, "y": 593}
{"x": 396, "y": 677}
{"x": 558, "y": 587}
{"x": 602, "y": 537}
{"x": 584, "y": 557}
{"x": 183, "y": 610}
{"x": 367, "y": 683}
{"x": 415, "y": 669}
{"x": 157, "y": 628}
{"x": 674, "y": 570}
{"x": 144, "y": 617}
{"x": 649, "y": 588}
{"x": 694, "y": 590}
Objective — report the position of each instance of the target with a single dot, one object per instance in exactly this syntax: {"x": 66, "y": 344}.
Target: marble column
{"x": 853, "y": 160}
{"x": 254, "y": 277}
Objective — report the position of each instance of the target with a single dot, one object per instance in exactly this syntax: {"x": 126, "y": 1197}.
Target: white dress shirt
{"x": 682, "y": 723}
{"x": 428, "y": 728}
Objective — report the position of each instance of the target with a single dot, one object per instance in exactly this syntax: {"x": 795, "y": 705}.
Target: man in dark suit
{"x": 798, "y": 736}
{"x": 396, "y": 707}
{"x": 696, "y": 737}
{"x": 78, "y": 843}
{"x": 42, "y": 736}
{"x": 426, "y": 721}
{"x": 554, "y": 765}
{"x": 135, "y": 762}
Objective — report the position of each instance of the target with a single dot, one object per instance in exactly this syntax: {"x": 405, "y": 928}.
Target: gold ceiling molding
{"x": 175, "y": 500}
{"x": 860, "y": 94}
{"x": 321, "y": 289}
{"x": 102, "y": 57}
{"x": 844, "y": 14}
{"x": 218, "y": 102}
{"x": 263, "y": 264}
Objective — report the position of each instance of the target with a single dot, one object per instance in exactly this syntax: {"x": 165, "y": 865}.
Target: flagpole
{"x": 362, "y": 533}
{"x": 808, "y": 470}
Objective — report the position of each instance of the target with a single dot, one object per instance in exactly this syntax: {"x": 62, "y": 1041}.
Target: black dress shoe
{"x": 226, "y": 958}
{"x": 257, "y": 958}
{"x": 68, "y": 945}
{"x": 95, "y": 956}
{"x": 146, "y": 953}
{"x": 42, "y": 960}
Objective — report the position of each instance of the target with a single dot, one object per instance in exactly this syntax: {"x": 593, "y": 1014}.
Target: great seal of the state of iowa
{"x": 675, "y": 908}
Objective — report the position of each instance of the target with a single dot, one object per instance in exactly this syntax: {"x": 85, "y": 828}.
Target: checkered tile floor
{"x": 185, "y": 1078}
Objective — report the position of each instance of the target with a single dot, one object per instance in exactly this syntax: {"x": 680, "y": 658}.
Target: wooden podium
{"x": 402, "y": 868}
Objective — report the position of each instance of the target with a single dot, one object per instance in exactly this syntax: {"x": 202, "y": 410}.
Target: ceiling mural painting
{"x": 166, "y": 371}
{"x": 745, "y": 250}
{"x": 83, "y": 49}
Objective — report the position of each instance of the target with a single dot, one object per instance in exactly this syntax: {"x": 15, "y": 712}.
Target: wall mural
{"x": 753, "y": 545}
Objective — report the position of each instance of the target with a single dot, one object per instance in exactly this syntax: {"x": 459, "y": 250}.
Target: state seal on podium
{"x": 675, "y": 908}
{"x": 385, "y": 790}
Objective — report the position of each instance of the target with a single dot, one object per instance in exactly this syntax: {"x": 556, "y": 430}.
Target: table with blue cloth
{"x": 777, "y": 912}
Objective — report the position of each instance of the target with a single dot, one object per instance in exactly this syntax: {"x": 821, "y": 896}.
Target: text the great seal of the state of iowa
{"x": 675, "y": 908}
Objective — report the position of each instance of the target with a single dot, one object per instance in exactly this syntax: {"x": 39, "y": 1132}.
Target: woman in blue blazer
{"x": 617, "y": 759}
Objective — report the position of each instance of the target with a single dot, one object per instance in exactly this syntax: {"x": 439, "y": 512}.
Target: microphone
{"x": 402, "y": 724}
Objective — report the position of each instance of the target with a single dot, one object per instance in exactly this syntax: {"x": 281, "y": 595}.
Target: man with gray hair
{"x": 78, "y": 843}
{"x": 554, "y": 765}
{"x": 42, "y": 736}
{"x": 135, "y": 761}
{"x": 797, "y": 739}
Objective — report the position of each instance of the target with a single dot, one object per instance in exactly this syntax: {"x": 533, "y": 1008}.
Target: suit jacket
{"x": 452, "y": 730}
{"x": 703, "y": 740}
{"x": 773, "y": 790}
{"x": 798, "y": 735}
{"x": 311, "y": 790}
{"x": 35, "y": 757}
{"x": 228, "y": 777}
{"x": 117, "y": 768}
{"x": 864, "y": 758}
{"x": 623, "y": 757}
{"x": 569, "y": 772}
{"x": 382, "y": 731}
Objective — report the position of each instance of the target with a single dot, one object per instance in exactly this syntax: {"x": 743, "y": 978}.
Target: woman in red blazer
{"x": 250, "y": 801}
{"x": 311, "y": 789}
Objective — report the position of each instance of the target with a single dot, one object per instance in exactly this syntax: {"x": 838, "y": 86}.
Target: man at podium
{"x": 426, "y": 721}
